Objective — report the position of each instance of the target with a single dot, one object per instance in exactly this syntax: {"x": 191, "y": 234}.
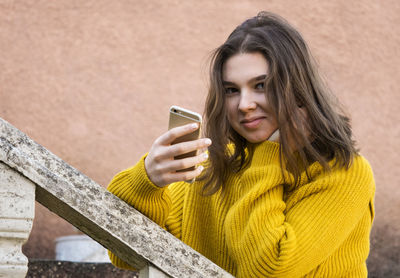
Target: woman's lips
{"x": 252, "y": 123}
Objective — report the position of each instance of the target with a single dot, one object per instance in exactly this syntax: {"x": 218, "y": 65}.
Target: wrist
{"x": 146, "y": 179}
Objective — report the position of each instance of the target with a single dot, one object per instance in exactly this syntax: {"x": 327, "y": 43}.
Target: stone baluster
{"x": 17, "y": 208}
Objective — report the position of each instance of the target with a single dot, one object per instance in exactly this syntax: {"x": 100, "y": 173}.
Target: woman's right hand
{"x": 160, "y": 164}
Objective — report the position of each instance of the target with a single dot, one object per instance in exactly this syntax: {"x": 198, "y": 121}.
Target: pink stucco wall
{"x": 92, "y": 81}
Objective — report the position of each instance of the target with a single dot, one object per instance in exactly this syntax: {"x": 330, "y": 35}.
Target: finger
{"x": 184, "y": 163}
{"x": 176, "y": 132}
{"x": 183, "y": 176}
{"x": 186, "y": 147}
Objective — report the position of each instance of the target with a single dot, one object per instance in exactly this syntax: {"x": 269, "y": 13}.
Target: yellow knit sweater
{"x": 256, "y": 229}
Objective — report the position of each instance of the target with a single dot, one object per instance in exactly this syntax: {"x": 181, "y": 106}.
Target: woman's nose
{"x": 247, "y": 101}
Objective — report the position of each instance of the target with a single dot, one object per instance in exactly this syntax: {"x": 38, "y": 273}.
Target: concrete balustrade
{"x": 17, "y": 208}
{"x": 27, "y": 166}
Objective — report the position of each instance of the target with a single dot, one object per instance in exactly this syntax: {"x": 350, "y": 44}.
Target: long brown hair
{"x": 293, "y": 81}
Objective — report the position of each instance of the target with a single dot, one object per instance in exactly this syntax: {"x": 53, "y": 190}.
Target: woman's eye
{"x": 230, "y": 91}
{"x": 260, "y": 86}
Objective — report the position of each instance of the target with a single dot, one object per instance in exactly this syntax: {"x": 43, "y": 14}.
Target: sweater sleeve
{"x": 268, "y": 237}
{"x": 135, "y": 188}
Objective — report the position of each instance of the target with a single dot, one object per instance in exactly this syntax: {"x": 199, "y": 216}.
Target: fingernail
{"x": 193, "y": 126}
{"x": 207, "y": 142}
{"x": 205, "y": 155}
{"x": 200, "y": 168}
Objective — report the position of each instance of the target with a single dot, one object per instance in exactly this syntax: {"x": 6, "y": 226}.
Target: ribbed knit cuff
{"x": 143, "y": 182}
{"x": 134, "y": 187}
{"x": 137, "y": 179}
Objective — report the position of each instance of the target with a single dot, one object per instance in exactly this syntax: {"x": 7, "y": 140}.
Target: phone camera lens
{"x": 175, "y": 110}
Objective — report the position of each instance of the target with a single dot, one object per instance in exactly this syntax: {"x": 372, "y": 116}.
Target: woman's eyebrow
{"x": 257, "y": 78}
{"x": 227, "y": 83}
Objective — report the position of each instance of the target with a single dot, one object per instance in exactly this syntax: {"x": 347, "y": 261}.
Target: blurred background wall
{"x": 92, "y": 81}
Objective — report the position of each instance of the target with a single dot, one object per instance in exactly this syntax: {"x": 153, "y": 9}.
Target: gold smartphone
{"x": 179, "y": 116}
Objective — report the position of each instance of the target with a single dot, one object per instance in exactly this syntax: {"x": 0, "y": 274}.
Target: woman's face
{"x": 249, "y": 112}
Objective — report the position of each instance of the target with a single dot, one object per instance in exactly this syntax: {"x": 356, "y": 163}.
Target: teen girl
{"x": 282, "y": 190}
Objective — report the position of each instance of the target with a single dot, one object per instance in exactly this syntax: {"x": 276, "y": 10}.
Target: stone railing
{"x": 29, "y": 172}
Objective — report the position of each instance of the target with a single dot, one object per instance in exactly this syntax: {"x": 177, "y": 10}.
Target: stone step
{"x": 65, "y": 269}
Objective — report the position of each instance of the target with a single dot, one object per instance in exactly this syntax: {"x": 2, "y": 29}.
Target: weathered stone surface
{"x": 63, "y": 269}
{"x": 152, "y": 272}
{"x": 98, "y": 213}
{"x": 17, "y": 207}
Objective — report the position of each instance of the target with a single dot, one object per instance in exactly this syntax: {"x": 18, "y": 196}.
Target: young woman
{"x": 282, "y": 190}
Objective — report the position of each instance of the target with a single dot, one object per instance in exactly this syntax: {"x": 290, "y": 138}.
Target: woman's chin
{"x": 257, "y": 138}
